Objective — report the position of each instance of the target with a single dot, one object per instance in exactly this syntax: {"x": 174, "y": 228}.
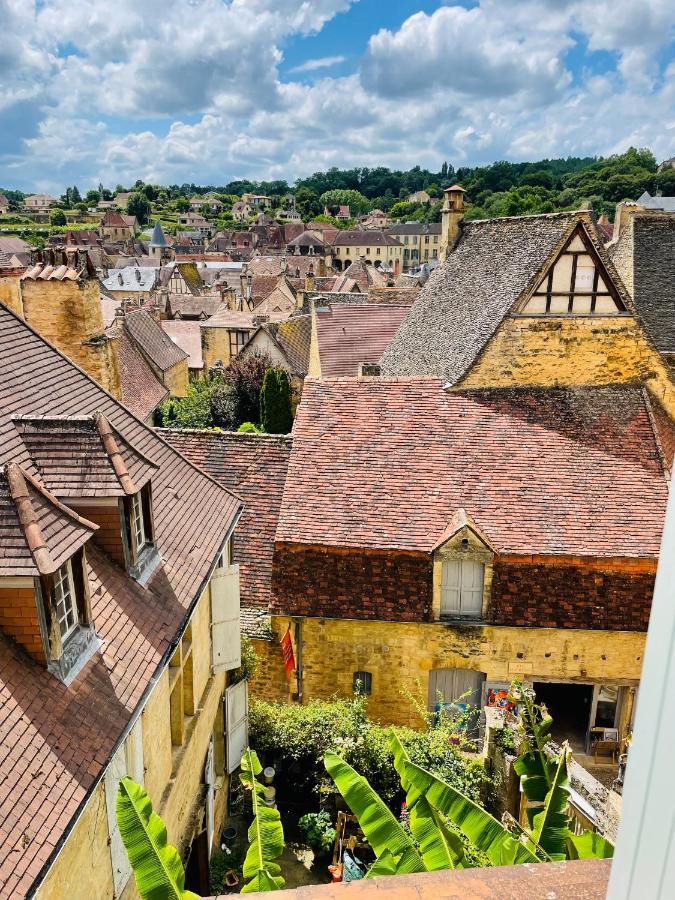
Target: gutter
{"x": 163, "y": 663}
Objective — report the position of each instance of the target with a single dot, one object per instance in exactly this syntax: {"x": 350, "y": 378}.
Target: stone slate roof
{"x": 157, "y": 238}
{"x": 254, "y": 467}
{"x": 160, "y": 350}
{"x": 131, "y": 279}
{"x": 651, "y": 263}
{"x": 415, "y": 228}
{"x": 357, "y": 238}
{"x": 466, "y": 298}
{"x": 387, "y": 464}
{"x": 55, "y": 741}
{"x": 350, "y": 335}
{"x": 667, "y": 204}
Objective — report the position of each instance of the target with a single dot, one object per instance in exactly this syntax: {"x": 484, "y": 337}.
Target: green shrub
{"x": 249, "y": 428}
{"x": 297, "y": 737}
{"x": 249, "y": 662}
{"x": 319, "y": 830}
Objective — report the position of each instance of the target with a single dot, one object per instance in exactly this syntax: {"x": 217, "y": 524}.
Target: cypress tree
{"x": 275, "y": 402}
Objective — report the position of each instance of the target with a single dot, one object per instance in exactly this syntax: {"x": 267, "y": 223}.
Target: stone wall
{"x": 571, "y": 351}
{"x": 400, "y": 657}
{"x": 364, "y": 584}
{"x": 10, "y": 290}
{"x": 580, "y": 594}
{"x": 215, "y": 346}
{"x": 270, "y": 682}
{"x": 176, "y": 379}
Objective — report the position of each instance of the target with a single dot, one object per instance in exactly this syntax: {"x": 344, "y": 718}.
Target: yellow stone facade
{"x": 400, "y": 657}
{"x": 557, "y": 351}
{"x": 176, "y": 379}
{"x": 173, "y": 777}
{"x": 215, "y": 346}
{"x": 10, "y": 293}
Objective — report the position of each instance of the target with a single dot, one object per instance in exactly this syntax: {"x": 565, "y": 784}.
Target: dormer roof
{"x": 84, "y": 457}
{"x": 38, "y": 533}
{"x": 461, "y": 520}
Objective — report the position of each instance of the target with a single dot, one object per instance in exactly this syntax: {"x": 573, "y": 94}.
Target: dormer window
{"x": 137, "y": 526}
{"x": 64, "y": 600}
{"x": 463, "y": 563}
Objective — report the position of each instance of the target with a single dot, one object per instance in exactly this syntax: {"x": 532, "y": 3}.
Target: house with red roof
{"x": 440, "y": 543}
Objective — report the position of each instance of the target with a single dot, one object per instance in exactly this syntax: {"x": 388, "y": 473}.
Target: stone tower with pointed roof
{"x": 158, "y": 247}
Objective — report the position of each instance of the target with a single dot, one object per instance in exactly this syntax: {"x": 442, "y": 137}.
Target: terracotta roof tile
{"x": 142, "y": 391}
{"x": 387, "y": 463}
{"x": 350, "y": 335}
{"x": 56, "y": 740}
{"x": 254, "y": 467}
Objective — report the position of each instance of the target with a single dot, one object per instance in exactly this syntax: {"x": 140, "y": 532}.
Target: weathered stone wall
{"x": 582, "y": 594}
{"x": 400, "y": 657}
{"x": 176, "y": 379}
{"x": 10, "y": 291}
{"x": 270, "y": 682}
{"x": 68, "y": 314}
{"x": 173, "y": 778}
{"x": 215, "y": 346}
{"x": 571, "y": 351}
{"x": 388, "y": 585}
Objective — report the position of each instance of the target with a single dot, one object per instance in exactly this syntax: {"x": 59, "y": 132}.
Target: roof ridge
{"x": 467, "y": 223}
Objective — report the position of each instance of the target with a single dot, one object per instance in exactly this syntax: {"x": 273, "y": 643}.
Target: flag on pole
{"x": 287, "y": 652}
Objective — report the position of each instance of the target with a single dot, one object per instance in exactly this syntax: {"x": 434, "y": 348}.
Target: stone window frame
{"x": 465, "y": 543}
{"x": 363, "y": 678}
{"x": 140, "y": 560}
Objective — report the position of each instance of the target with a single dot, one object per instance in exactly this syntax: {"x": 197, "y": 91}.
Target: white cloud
{"x": 191, "y": 90}
{"x": 324, "y": 62}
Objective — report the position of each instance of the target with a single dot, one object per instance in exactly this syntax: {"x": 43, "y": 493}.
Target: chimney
{"x": 310, "y": 284}
{"x": 452, "y": 215}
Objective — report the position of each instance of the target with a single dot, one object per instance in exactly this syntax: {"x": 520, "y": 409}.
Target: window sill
{"x": 78, "y": 649}
{"x": 475, "y": 621}
{"x": 148, "y": 560}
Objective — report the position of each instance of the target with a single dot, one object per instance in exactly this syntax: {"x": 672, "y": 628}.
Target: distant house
{"x": 195, "y": 222}
{"x": 291, "y": 215}
{"x": 373, "y": 247}
{"x": 667, "y": 204}
{"x": 4, "y": 204}
{"x": 241, "y": 211}
{"x": 375, "y": 219}
{"x": 122, "y": 199}
{"x": 118, "y": 227}
{"x": 421, "y": 242}
{"x": 340, "y": 212}
{"x": 39, "y": 203}
{"x": 419, "y": 197}
{"x": 211, "y": 203}
{"x": 257, "y": 201}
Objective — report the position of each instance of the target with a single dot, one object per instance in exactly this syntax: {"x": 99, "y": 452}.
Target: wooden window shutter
{"x": 225, "y": 624}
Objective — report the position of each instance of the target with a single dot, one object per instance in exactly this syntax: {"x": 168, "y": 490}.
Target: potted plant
{"x": 319, "y": 832}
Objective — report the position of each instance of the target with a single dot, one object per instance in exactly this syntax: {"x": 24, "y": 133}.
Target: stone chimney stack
{"x": 310, "y": 283}
{"x": 452, "y": 215}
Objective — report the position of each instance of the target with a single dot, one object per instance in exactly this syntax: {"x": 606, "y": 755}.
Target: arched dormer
{"x": 462, "y": 567}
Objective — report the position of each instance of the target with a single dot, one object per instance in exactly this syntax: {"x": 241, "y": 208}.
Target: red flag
{"x": 287, "y": 652}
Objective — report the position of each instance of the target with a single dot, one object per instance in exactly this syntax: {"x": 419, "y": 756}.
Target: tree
{"x": 307, "y": 203}
{"x": 93, "y": 197}
{"x": 242, "y": 381}
{"x": 182, "y": 204}
{"x": 275, "y": 402}
{"x": 57, "y": 217}
{"x": 433, "y": 804}
{"x": 138, "y": 205}
{"x": 356, "y": 202}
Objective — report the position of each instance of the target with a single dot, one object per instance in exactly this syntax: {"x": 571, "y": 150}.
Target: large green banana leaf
{"x": 480, "y": 827}
{"x": 589, "y": 846}
{"x": 266, "y": 834}
{"x": 439, "y": 846}
{"x": 381, "y": 828}
{"x": 535, "y": 767}
{"x": 550, "y": 826}
{"x": 158, "y": 869}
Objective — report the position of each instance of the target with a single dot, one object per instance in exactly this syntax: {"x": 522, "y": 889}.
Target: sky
{"x": 208, "y": 91}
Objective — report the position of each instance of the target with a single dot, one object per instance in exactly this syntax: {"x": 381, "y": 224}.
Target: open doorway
{"x": 570, "y": 706}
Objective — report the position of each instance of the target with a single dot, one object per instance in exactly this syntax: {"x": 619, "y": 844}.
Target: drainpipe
{"x": 298, "y": 661}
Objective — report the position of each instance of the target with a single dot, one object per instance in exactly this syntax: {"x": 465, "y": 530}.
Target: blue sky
{"x": 212, "y": 90}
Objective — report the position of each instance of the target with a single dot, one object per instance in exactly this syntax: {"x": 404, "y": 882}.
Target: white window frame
{"x": 64, "y": 595}
{"x": 137, "y": 523}
{"x": 465, "y": 606}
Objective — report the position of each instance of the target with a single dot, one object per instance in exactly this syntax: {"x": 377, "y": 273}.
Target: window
{"x": 462, "y": 588}
{"x": 426, "y": 238}
{"x": 575, "y": 285}
{"x": 362, "y": 683}
{"x": 435, "y": 239}
{"x": 64, "y": 599}
{"x": 137, "y": 525}
{"x": 378, "y": 251}
{"x": 238, "y": 340}
{"x": 181, "y": 688}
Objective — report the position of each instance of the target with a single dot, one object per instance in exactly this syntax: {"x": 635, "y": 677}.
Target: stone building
{"x": 533, "y": 300}
{"x": 438, "y": 542}
{"x": 421, "y": 242}
{"x": 375, "y": 248}
{"x": 119, "y": 613}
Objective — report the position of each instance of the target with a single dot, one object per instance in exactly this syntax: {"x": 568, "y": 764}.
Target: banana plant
{"x": 157, "y": 867}
{"x": 545, "y": 783}
{"x": 266, "y": 834}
